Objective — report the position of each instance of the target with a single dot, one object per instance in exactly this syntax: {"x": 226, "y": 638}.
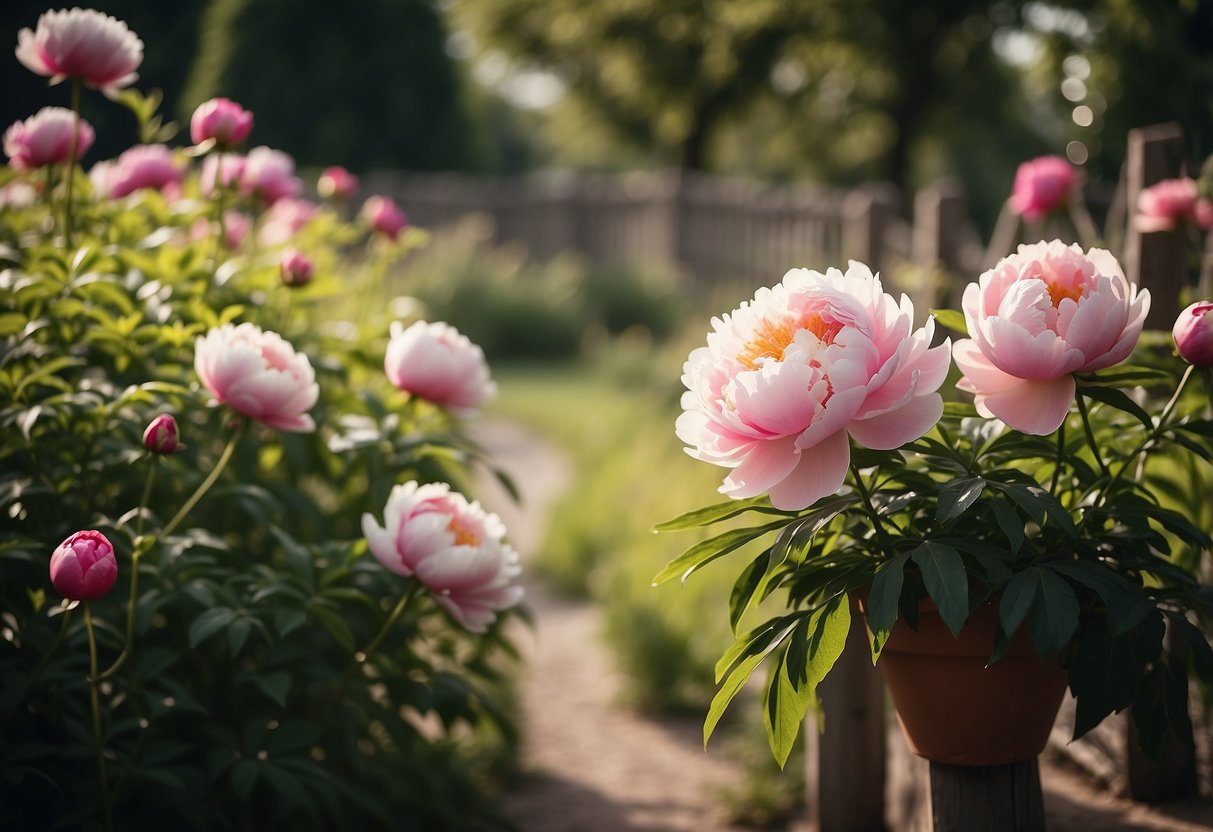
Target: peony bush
{"x": 202, "y": 624}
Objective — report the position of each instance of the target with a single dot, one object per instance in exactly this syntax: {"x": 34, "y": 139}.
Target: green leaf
{"x": 706, "y": 551}
{"x": 746, "y": 587}
{"x": 209, "y": 623}
{"x": 275, "y": 685}
{"x": 1009, "y": 523}
{"x": 882, "y": 601}
{"x": 1054, "y": 614}
{"x": 956, "y": 497}
{"x": 1017, "y": 599}
{"x": 334, "y": 623}
{"x": 943, "y": 574}
{"x": 244, "y": 776}
{"x": 1114, "y": 397}
{"x": 784, "y": 711}
{"x": 720, "y": 511}
{"x": 729, "y": 689}
{"x": 952, "y": 319}
{"x": 1127, "y": 605}
{"x": 238, "y": 633}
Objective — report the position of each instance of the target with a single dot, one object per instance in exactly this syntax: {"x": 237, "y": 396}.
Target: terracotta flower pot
{"x": 953, "y": 708}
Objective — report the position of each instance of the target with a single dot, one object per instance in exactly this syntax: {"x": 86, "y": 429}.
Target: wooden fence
{"x": 861, "y": 776}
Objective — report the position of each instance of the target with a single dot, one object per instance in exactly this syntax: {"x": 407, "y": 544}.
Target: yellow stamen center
{"x": 773, "y": 338}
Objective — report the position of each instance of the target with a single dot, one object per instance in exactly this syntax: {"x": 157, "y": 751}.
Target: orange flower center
{"x": 773, "y": 337}
{"x": 1060, "y": 287}
{"x": 465, "y": 534}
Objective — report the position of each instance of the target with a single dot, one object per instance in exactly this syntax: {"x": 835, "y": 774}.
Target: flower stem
{"x": 71, "y": 161}
{"x": 95, "y": 683}
{"x": 885, "y": 544}
{"x": 220, "y": 215}
{"x": 1086, "y": 426}
{"x": 208, "y": 482}
{"x": 364, "y": 656}
{"x": 1061, "y": 455}
{"x": 1154, "y": 434}
{"x": 147, "y": 494}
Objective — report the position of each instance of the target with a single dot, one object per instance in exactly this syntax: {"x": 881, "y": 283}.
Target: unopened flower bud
{"x": 296, "y": 268}
{"x": 160, "y": 437}
{"x": 1193, "y": 333}
{"x": 83, "y": 567}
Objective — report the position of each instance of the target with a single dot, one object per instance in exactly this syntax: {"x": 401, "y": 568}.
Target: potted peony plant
{"x": 1034, "y": 532}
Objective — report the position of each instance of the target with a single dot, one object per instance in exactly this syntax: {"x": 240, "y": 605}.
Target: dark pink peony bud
{"x": 160, "y": 437}
{"x": 84, "y": 567}
{"x": 385, "y": 216}
{"x": 1193, "y": 333}
{"x": 296, "y": 268}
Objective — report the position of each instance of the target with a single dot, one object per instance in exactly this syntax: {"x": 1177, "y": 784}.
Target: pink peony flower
{"x": 83, "y": 567}
{"x": 224, "y": 169}
{"x": 284, "y": 220}
{"x": 236, "y": 224}
{"x": 45, "y": 138}
{"x": 269, "y": 175}
{"x": 1203, "y": 212}
{"x": 82, "y": 43}
{"x": 17, "y": 194}
{"x": 1166, "y": 205}
{"x": 337, "y": 183}
{"x": 258, "y": 374}
{"x": 296, "y": 268}
{"x": 1039, "y": 316}
{"x": 437, "y": 363}
{"x": 1193, "y": 333}
{"x": 454, "y": 548}
{"x": 160, "y": 436}
{"x": 142, "y": 166}
{"x": 789, "y": 376}
{"x": 222, "y": 120}
{"x": 1042, "y": 186}
{"x": 385, "y": 216}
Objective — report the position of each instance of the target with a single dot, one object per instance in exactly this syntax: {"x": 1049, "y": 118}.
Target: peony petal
{"x": 1035, "y": 407}
{"x": 895, "y": 428}
{"x": 819, "y": 473}
{"x": 764, "y": 466}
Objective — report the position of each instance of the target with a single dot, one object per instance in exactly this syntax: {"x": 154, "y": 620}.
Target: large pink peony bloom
{"x": 434, "y": 361}
{"x": 82, "y": 43}
{"x": 258, "y": 374}
{"x": 1041, "y": 187}
{"x": 222, "y": 120}
{"x": 454, "y": 548}
{"x": 269, "y": 175}
{"x": 83, "y": 567}
{"x": 1166, "y": 205}
{"x": 1193, "y": 334}
{"x": 1039, "y": 316}
{"x": 45, "y": 138}
{"x": 787, "y": 377}
{"x": 142, "y": 166}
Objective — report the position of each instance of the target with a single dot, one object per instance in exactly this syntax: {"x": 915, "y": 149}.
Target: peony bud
{"x": 337, "y": 183}
{"x": 1193, "y": 334}
{"x": 1042, "y": 186}
{"x": 84, "y": 567}
{"x": 222, "y": 120}
{"x": 160, "y": 437}
{"x": 385, "y": 216}
{"x": 296, "y": 268}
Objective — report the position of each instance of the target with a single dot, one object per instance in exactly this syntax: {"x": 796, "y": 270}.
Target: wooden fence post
{"x": 867, "y": 213}
{"x": 990, "y": 798}
{"x": 939, "y": 219}
{"x": 845, "y": 764}
{"x": 1155, "y": 261}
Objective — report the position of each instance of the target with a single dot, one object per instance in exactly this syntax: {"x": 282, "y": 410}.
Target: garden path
{"x": 592, "y": 765}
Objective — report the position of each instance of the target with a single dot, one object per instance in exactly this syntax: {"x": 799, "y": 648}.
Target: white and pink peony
{"x": 258, "y": 374}
{"x": 1039, "y": 316}
{"x": 82, "y": 43}
{"x": 789, "y": 378}
{"x": 455, "y": 549}
{"x": 45, "y": 138}
{"x": 437, "y": 363}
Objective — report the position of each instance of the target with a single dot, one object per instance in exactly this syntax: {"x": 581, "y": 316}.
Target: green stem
{"x": 208, "y": 482}
{"x": 1149, "y": 440}
{"x": 95, "y": 683}
{"x": 32, "y": 681}
{"x": 1061, "y": 456}
{"x": 885, "y": 544}
{"x": 364, "y": 656}
{"x": 71, "y": 161}
{"x": 134, "y": 594}
{"x": 1086, "y": 426}
{"x": 147, "y": 494}
{"x": 220, "y": 215}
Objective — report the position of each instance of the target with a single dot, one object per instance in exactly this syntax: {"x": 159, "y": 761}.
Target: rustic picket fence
{"x": 860, "y": 775}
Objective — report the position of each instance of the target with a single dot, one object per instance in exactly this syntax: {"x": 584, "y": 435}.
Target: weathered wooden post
{"x": 939, "y": 218}
{"x": 1156, "y": 260}
{"x": 867, "y": 213}
{"x": 989, "y": 798}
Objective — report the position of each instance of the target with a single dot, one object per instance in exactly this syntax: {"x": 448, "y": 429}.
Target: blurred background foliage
{"x": 835, "y": 91}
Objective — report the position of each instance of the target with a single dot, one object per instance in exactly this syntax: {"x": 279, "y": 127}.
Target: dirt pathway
{"x": 591, "y": 765}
